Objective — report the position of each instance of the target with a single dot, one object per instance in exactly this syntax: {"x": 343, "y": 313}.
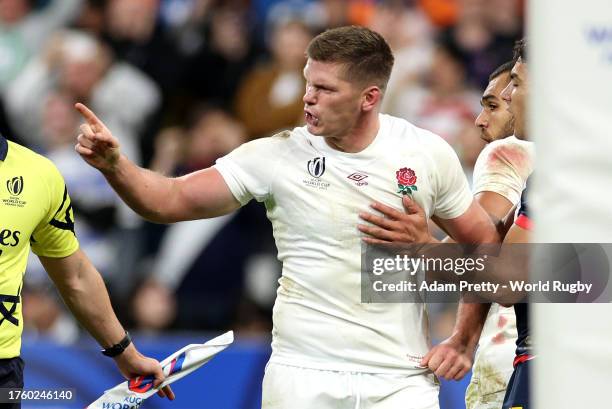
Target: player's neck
{"x": 358, "y": 137}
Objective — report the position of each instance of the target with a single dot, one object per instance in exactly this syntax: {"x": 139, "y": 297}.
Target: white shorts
{"x": 493, "y": 365}
{"x": 292, "y": 387}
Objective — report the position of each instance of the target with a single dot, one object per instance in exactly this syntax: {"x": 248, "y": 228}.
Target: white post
{"x": 570, "y": 67}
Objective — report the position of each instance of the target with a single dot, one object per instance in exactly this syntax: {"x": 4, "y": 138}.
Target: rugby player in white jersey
{"x": 329, "y": 349}
{"x": 500, "y": 175}
{"x": 500, "y": 182}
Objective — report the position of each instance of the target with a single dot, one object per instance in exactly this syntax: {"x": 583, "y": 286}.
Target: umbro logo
{"x": 358, "y": 178}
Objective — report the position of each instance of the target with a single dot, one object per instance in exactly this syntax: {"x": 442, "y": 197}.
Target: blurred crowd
{"x": 183, "y": 82}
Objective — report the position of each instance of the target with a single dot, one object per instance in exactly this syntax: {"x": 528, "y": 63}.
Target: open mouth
{"x": 311, "y": 119}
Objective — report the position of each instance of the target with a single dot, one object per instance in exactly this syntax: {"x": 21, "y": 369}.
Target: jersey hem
{"x": 345, "y": 367}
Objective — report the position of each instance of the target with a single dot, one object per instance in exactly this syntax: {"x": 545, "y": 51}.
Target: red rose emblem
{"x": 406, "y": 177}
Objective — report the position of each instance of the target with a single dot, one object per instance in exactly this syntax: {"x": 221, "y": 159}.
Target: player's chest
{"x": 328, "y": 192}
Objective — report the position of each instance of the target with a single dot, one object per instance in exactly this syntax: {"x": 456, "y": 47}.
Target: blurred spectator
{"x": 335, "y": 14}
{"x": 443, "y": 103}
{"x": 44, "y": 315}
{"x": 281, "y": 12}
{"x": 207, "y": 272}
{"x": 25, "y": 29}
{"x": 92, "y": 17}
{"x": 442, "y": 13}
{"x": 93, "y": 200}
{"x": 409, "y": 34}
{"x": 210, "y": 134}
{"x": 81, "y": 66}
{"x": 135, "y": 34}
{"x": 485, "y": 33}
{"x": 360, "y": 12}
{"x": 317, "y": 15}
{"x": 201, "y": 264}
{"x": 504, "y": 17}
{"x": 153, "y": 307}
{"x": 220, "y": 52}
{"x": 270, "y": 98}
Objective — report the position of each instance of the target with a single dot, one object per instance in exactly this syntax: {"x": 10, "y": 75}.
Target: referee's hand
{"x": 132, "y": 363}
{"x": 96, "y": 145}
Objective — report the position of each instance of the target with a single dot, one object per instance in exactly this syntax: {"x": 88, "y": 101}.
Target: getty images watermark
{"x": 507, "y": 274}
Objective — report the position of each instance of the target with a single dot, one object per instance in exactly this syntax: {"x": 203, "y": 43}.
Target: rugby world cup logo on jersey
{"x": 316, "y": 169}
{"x": 15, "y": 187}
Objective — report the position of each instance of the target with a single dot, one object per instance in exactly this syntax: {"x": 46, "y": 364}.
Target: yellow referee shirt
{"x": 35, "y": 211}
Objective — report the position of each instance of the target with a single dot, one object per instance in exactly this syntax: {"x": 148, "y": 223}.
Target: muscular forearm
{"x": 199, "y": 195}
{"x": 84, "y": 292}
{"x": 148, "y": 193}
{"x": 469, "y": 323}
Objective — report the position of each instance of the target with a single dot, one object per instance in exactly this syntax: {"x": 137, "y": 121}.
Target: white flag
{"x": 131, "y": 394}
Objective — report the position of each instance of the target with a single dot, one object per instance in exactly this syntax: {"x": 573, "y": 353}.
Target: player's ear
{"x": 370, "y": 98}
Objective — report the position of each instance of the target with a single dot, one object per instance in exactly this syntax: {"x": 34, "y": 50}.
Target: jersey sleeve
{"x": 250, "y": 169}
{"x": 55, "y": 236}
{"x": 503, "y": 168}
{"x": 453, "y": 196}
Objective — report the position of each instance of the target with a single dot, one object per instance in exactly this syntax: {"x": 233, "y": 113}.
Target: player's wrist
{"x": 463, "y": 340}
{"x": 118, "y": 348}
{"x": 129, "y": 355}
{"x": 114, "y": 165}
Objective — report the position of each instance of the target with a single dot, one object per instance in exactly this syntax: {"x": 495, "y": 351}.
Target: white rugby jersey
{"x": 313, "y": 195}
{"x": 502, "y": 167}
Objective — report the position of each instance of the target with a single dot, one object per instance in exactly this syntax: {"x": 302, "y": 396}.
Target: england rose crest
{"x": 406, "y": 180}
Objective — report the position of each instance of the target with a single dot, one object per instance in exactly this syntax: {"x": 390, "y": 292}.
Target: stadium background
{"x": 181, "y": 83}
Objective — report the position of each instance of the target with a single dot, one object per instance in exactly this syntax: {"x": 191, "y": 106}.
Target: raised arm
{"x": 199, "y": 195}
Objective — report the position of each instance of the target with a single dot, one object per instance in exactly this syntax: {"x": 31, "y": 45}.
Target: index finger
{"x": 88, "y": 114}
{"x": 169, "y": 392}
